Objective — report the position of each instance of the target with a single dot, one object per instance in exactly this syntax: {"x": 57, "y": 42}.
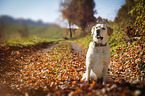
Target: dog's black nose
{"x": 99, "y": 37}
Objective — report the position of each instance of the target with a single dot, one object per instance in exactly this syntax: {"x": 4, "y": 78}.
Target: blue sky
{"x": 48, "y": 10}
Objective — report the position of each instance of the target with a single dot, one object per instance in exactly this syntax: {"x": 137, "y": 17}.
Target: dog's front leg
{"x": 105, "y": 74}
{"x": 88, "y": 70}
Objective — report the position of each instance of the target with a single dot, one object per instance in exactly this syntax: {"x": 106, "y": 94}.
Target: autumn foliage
{"x": 48, "y": 69}
{"x": 59, "y": 72}
{"x": 78, "y": 12}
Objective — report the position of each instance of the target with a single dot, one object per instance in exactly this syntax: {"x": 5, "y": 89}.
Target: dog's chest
{"x": 99, "y": 50}
{"x": 99, "y": 54}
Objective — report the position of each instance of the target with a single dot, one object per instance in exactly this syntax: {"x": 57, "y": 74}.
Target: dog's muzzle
{"x": 99, "y": 37}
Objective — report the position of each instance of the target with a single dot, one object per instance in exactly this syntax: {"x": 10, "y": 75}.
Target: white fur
{"x": 97, "y": 58}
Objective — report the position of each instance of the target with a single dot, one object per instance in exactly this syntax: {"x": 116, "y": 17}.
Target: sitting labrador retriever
{"x": 98, "y": 55}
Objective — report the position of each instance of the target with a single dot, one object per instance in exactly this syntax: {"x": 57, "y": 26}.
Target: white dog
{"x": 98, "y": 55}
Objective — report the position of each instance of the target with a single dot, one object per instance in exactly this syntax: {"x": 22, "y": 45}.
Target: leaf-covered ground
{"x": 58, "y": 72}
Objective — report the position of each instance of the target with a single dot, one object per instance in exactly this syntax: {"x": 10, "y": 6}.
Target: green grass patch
{"x": 26, "y": 42}
{"x": 84, "y": 42}
{"x": 13, "y": 32}
{"x": 12, "y": 36}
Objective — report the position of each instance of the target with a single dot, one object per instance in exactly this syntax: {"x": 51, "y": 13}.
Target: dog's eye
{"x": 103, "y": 28}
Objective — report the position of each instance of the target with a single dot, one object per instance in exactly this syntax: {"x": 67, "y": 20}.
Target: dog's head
{"x": 101, "y": 33}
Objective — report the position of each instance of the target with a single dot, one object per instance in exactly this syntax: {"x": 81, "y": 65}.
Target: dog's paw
{"x": 82, "y": 79}
{"x": 87, "y": 79}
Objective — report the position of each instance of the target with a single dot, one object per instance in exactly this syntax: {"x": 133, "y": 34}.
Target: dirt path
{"x": 48, "y": 48}
{"x": 77, "y": 49}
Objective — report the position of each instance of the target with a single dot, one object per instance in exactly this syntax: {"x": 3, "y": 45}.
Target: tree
{"x": 133, "y": 15}
{"x": 101, "y": 20}
{"x": 68, "y": 13}
{"x": 138, "y": 10}
{"x": 122, "y": 15}
{"x": 85, "y": 13}
{"x": 79, "y": 12}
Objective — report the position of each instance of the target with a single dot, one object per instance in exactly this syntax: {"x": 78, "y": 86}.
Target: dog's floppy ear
{"x": 92, "y": 30}
{"x": 109, "y": 30}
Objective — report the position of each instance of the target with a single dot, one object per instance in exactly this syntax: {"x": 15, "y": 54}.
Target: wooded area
{"x": 81, "y": 13}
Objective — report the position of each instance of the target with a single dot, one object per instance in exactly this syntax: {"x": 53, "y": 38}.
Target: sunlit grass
{"x": 26, "y": 42}
{"x": 12, "y": 32}
{"x": 36, "y": 34}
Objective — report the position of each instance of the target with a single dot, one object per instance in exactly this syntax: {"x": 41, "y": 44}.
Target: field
{"x": 14, "y": 34}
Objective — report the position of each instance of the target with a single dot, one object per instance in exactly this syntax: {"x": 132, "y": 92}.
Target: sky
{"x": 48, "y": 10}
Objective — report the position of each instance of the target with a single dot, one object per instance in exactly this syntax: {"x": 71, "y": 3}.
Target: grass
{"x": 11, "y": 30}
{"x": 37, "y": 34}
{"x": 84, "y": 42}
{"x": 25, "y": 42}
{"x": 47, "y": 32}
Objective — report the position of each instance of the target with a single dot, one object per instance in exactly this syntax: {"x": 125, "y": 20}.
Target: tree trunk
{"x": 70, "y": 30}
{"x": 74, "y": 32}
